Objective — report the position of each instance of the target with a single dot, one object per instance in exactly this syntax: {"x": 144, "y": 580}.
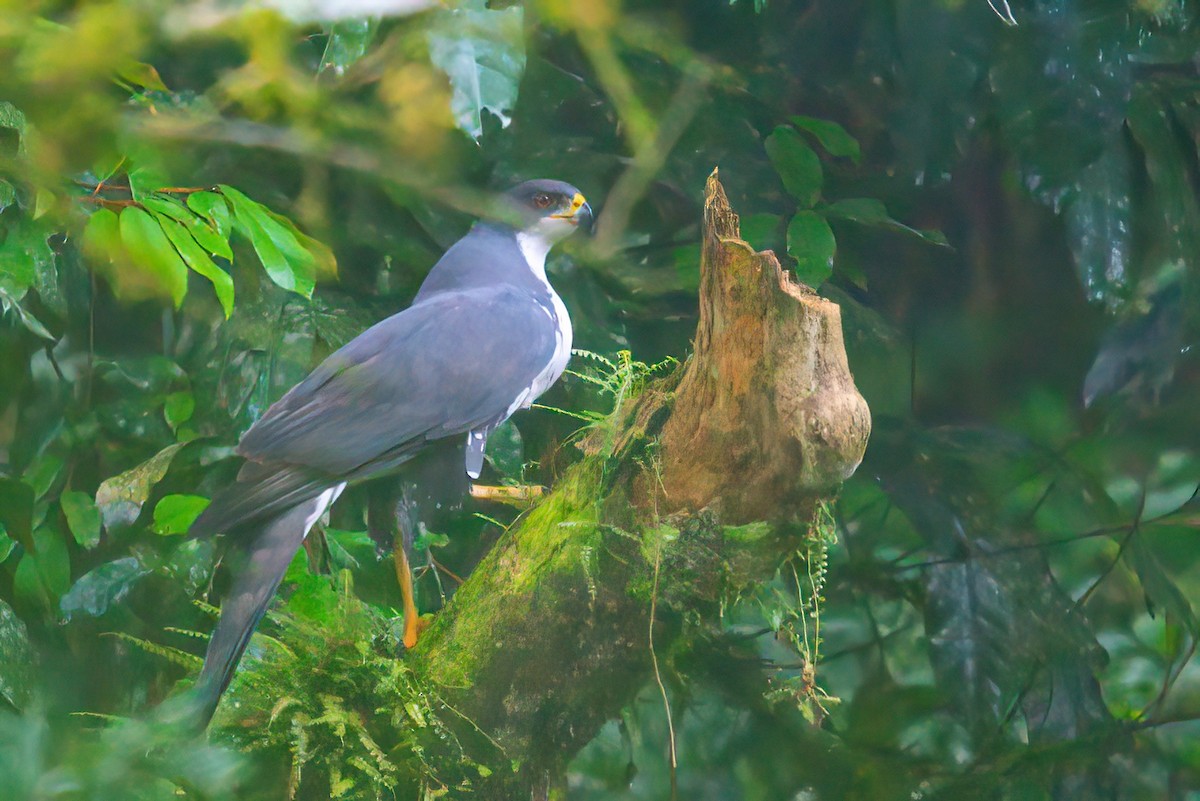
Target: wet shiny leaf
{"x": 99, "y": 589}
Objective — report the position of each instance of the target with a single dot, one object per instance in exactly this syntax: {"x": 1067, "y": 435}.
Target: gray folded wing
{"x": 448, "y": 365}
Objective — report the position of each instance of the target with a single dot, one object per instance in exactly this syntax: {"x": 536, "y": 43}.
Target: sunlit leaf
{"x": 197, "y": 259}
{"x": 175, "y": 514}
{"x": 214, "y": 208}
{"x": 197, "y": 224}
{"x": 141, "y": 74}
{"x": 324, "y": 262}
{"x": 811, "y": 244}
{"x": 283, "y": 257}
{"x": 83, "y": 518}
{"x": 153, "y": 254}
{"x": 798, "y": 165}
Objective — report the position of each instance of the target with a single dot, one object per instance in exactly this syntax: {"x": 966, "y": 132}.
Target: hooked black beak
{"x": 584, "y": 218}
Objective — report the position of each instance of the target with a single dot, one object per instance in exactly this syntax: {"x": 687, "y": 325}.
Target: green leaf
{"x": 283, "y": 257}
{"x": 175, "y": 514}
{"x": 83, "y": 518}
{"x": 151, "y": 251}
{"x": 833, "y": 137}
{"x": 482, "y": 52}
{"x": 348, "y": 42}
{"x": 869, "y": 211}
{"x": 141, "y": 74}
{"x": 145, "y": 180}
{"x": 798, "y": 165}
{"x": 190, "y": 565}
{"x": 44, "y": 573}
{"x": 16, "y": 658}
{"x": 324, "y": 262}
{"x": 1161, "y": 591}
{"x": 198, "y": 260}
{"x": 214, "y": 208}
{"x": 97, "y": 590}
{"x": 430, "y": 539}
{"x": 197, "y": 224}
{"x": 811, "y": 243}
{"x": 101, "y": 239}
{"x": 24, "y": 253}
{"x": 43, "y": 473}
{"x": 178, "y": 408}
{"x": 121, "y": 497}
{"x": 32, "y": 324}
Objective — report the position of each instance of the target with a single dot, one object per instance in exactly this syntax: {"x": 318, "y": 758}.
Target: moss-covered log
{"x": 699, "y": 487}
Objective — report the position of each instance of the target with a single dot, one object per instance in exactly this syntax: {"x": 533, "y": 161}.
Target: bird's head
{"x": 551, "y": 210}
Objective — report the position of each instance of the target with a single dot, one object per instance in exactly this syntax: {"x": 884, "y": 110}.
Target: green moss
{"x": 331, "y": 697}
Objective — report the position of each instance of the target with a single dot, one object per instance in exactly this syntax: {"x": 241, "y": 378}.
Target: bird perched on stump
{"x": 485, "y": 336}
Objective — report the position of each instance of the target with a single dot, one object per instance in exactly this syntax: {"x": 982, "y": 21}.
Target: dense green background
{"x": 1006, "y": 612}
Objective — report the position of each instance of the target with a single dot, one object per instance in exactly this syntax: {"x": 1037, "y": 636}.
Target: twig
{"x": 658, "y": 678}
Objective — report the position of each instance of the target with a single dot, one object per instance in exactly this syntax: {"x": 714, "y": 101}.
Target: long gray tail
{"x": 263, "y": 561}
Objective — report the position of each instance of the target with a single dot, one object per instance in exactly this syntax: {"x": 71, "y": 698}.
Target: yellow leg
{"x": 521, "y": 495}
{"x": 412, "y": 620}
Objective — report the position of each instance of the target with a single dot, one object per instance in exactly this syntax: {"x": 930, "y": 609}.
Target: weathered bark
{"x": 706, "y": 483}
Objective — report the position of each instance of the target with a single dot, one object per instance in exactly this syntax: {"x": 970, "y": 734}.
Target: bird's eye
{"x": 542, "y": 200}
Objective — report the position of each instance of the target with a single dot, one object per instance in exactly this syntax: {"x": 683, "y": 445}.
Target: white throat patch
{"x": 534, "y": 247}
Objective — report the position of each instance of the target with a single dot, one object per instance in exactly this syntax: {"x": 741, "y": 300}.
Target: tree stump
{"x": 549, "y": 636}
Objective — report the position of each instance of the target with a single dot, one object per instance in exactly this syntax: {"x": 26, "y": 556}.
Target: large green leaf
{"x": 810, "y": 242}
{"x": 198, "y": 225}
{"x": 872, "y": 212}
{"x": 798, "y": 165}
{"x": 24, "y": 253}
{"x": 152, "y": 253}
{"x": 482, "y": 52}
{"x": 83, "y": 518}
{"x": 44, "y": 573}
{"x": 175, "y": 514}
{"x": 214, "y": 208}
{"x": 16, "y": 658}
{"x": 198, "y": 260}
{"x": 97, "y": 590}
{"x": 121, "y": 497}
{"x": 833, "y": 137}
{"x": 283, "y": 257}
